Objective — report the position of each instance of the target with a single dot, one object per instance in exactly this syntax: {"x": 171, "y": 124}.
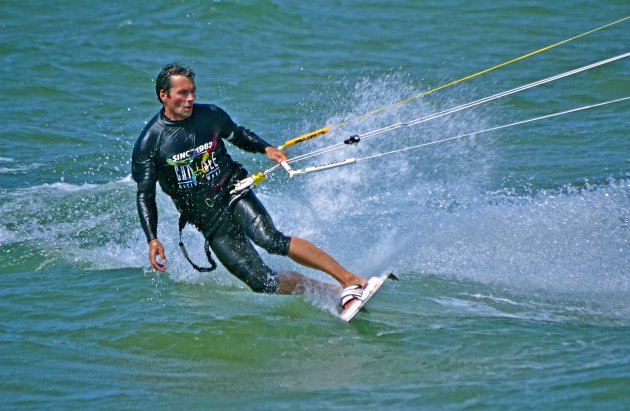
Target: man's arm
{"x": 147, "y": 208}
{"x": 250, "y": 141}
{"x": 147, "y": 211}
{"x": 144, "y": 173}
{"x": 240, "y": 136}
{"x": 247, "y": 140}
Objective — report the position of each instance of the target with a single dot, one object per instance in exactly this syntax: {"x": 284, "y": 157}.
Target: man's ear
{"x": 163, "y": 95}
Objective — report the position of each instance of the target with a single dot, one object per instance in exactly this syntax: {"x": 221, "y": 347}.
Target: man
{"x": 182, "y": 148}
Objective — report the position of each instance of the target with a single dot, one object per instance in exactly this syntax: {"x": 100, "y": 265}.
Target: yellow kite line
{"x": 324, "y": 130}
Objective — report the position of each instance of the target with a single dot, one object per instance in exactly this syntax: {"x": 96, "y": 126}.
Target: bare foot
{"x": 350, "y": 294}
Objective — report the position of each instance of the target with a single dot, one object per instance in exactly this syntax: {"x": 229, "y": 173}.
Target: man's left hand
{"x": 276, "y": 155}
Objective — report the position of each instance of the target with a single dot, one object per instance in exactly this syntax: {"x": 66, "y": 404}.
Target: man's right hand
{"x": 276, "y": 155}
{"x": 156, "y": 249}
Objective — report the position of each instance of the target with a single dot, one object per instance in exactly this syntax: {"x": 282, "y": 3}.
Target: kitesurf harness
{"x": 182, "y": 223}
{"x": 235, "y": 196}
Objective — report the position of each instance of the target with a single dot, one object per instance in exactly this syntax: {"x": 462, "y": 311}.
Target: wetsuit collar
{"x": 168, "y": 122}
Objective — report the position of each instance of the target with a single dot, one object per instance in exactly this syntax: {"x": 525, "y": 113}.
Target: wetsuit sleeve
{"x": 143, "y": 170}
{"x": 241, "y": 137}
{"x": 147, "y": 208}
{"x": 247, "y": 140}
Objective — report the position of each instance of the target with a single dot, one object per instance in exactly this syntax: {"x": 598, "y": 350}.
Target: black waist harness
{"x": 217, "y": 198}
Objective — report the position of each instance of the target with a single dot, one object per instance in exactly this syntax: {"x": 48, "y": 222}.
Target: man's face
{"x": 178, "y": 102}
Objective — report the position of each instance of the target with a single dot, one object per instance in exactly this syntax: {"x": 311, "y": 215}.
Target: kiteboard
{"x": 356, "y": 304}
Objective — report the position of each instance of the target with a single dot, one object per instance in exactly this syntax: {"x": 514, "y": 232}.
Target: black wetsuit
{"x": 189, "y": 160}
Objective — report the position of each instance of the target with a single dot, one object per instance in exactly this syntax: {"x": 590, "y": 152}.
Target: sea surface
{"x": 512, "y": 246}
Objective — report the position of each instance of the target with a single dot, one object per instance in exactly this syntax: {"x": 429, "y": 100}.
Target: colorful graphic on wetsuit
{"x": 195, "y": 165}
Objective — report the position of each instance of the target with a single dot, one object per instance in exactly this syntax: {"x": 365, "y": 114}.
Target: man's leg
{"x": 291, "y": 282}
{"x": 238, "y": 255}
{"x": 252, "y": 216}
{"x": 308, "y": 254}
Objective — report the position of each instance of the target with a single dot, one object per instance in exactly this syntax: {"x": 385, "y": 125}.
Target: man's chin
{"x": 185, "y": 113}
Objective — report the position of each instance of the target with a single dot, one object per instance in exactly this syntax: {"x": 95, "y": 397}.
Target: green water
{"x": 512, "y": 247}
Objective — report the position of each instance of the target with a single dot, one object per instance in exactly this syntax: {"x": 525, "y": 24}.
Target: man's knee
{"x": 265, "y": 235}
{"x": 278, "y": 244}
{"x": 259, "y": 277}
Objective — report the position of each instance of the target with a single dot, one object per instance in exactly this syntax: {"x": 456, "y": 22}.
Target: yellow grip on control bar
{"x": 304, "y": 137}
{"x": 259, "y": 177}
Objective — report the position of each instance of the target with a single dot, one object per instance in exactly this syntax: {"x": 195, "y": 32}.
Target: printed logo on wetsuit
{"x": 195, "y": 165}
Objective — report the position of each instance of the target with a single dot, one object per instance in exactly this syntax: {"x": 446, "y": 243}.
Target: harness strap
{"x": 219, "y": 219}
{"x": 213, "y": 265}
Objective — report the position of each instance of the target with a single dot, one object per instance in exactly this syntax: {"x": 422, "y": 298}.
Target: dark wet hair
{"x": 163, "y": 80}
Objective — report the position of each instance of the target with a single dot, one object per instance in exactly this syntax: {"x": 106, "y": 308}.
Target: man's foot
{"x": 349, "y": 294}
{"x": 352, "y": 279}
